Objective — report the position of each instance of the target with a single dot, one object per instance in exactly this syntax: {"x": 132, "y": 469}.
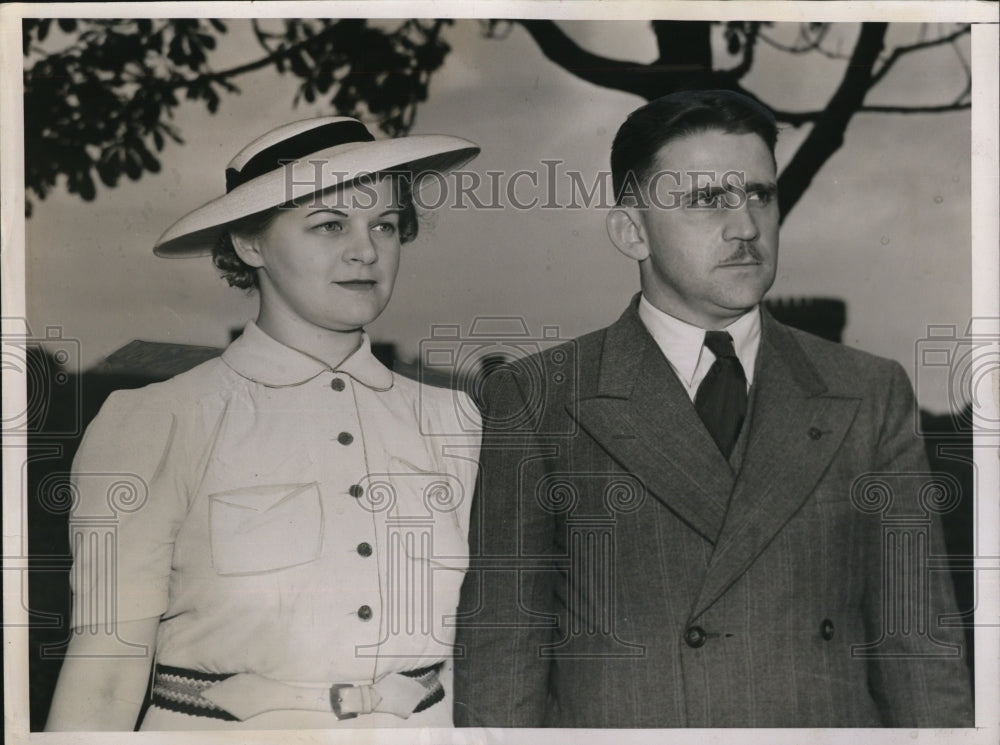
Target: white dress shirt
{"x": 684, "y": 345}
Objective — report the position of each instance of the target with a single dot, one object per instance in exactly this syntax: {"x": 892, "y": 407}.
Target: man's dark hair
{"x": 650, "y": 127}
{"x": 240, "y": 274}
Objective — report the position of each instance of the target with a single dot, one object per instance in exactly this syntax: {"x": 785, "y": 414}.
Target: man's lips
{"x": 730, "y": 264}
{"x": 356, "y": 284}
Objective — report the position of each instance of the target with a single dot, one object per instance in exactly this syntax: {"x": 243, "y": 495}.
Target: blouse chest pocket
{"x": 265, "y": 528}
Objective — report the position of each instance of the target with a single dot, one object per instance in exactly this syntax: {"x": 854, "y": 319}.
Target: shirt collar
{"x": 265, "y": 360}
{"x": 683, "y": 344}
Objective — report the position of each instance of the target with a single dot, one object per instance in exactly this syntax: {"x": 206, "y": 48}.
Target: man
{"x": 683, "y": 519}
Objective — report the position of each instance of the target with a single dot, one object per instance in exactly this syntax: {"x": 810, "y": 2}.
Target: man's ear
{"x": 247, "y": 249}
{"x": 627, "y": 232}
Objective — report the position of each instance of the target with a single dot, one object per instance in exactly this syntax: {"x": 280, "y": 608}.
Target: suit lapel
{"x": 795, "y": 432}
{"x": 643, "y": 417}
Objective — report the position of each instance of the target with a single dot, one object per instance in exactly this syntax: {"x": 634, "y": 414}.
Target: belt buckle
{"x": 336, "y": 701}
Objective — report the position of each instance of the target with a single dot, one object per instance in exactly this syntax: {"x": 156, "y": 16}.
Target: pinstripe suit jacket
{"x": 625, "y": 575}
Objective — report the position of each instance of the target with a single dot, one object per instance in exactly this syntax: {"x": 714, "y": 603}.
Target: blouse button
{"x": 345, "y": 438}
{"x": 364, "y": 612}
{"x": 365, "y": 549}
{"x": 338, "y": 384}
{"x": 356, "y": 491}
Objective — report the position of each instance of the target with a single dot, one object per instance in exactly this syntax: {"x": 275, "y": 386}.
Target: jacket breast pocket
{"x": 265, "y": 528}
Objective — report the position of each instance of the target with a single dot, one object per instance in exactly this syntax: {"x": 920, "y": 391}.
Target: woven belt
{"x": 239, "y": 696}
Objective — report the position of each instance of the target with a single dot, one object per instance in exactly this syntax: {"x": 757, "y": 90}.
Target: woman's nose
{"x": 361, "y": 248}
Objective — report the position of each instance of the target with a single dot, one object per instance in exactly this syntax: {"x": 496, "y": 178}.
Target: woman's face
{"x": 333, "y": 264}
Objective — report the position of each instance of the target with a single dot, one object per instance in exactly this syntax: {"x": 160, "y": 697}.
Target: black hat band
{"x": 295, "y": 148}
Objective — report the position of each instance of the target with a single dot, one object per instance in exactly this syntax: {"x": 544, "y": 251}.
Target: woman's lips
{"x": 356, "y": 284}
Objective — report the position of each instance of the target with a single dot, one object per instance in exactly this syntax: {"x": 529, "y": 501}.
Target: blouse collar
{"x": 265, "y": 360}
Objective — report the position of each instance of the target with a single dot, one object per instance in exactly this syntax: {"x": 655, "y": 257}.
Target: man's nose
{"x": 361, "y": 248}
{"x": 740, "y": 223}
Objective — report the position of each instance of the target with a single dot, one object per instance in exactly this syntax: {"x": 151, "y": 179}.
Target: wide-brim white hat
{"x": 303, "y": 158}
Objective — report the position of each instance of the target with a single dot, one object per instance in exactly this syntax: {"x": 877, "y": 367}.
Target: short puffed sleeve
{"x": 130, "y": 497}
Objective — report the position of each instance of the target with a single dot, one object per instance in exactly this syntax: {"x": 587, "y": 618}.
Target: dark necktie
{"x": 721, "y": 400}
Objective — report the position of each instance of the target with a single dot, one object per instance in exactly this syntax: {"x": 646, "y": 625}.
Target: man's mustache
{"x": 747, "y": 250}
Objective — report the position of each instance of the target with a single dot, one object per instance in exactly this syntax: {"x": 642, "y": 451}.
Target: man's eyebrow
{"x": 708, "y": 190}
{"x": 713, "y": 189}
{"x": 768, "y": 187}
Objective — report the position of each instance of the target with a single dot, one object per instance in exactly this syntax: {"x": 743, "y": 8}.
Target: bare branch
{"x": 916, "y": 109}
{"x": 946, "y": 39}
{"x": 901, "y": 51}
{"x": 827, "y": 135}
{"x": 795, "y": 118}
{"x": 603, "y": 71}
{"x": 967, "y": 91}
{"x": 749, "y": 49}
{"x": 810, "y": 46}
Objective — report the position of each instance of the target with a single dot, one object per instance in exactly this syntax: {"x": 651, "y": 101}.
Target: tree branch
{"x": 916, "y": 109}
{"x": 603, "y": 71}
{"x": 827, "y": 136}
{"x": 749, "y": 49}
{"x": 810, "y": 46}
{"x": 795, "y": 118}
{"x": 273, "y": 58}
{"x": 261, "y": 35}
{"x": 901, "y": 51}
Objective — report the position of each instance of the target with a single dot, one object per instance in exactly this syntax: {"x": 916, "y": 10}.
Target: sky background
{"x": 885, "y": 225}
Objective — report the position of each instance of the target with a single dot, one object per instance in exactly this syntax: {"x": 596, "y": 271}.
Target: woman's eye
{"x": 389, "y": 228}
{"x": 330, "y": 227}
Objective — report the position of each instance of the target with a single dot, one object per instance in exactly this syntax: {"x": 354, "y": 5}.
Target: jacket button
{"x": 345, "y": 438}
{"x": 364, "y": 612}
{"x": 365, "y": 549}
{"x": 826, "y": 629}
{"x": 695, "y": 637}
{"x": 338, "y": 384}
{"x": 815, "y": 433}
{"x": 356, "y": 491}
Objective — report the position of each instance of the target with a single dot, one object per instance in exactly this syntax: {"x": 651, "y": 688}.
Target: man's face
{"x": 711, "y": 228}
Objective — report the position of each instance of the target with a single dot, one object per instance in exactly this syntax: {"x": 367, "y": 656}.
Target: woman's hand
{"x": 99, "y": 688}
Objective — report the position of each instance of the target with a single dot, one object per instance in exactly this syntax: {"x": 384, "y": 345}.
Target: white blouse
{"x": 282, "y": 518}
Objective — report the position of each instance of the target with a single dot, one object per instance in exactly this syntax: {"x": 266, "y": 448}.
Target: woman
{"x": 298, "y": 523}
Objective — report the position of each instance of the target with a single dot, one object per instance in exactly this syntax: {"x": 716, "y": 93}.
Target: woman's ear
{"x": 627, "y": 232}
{"x": 247, "y": 249}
